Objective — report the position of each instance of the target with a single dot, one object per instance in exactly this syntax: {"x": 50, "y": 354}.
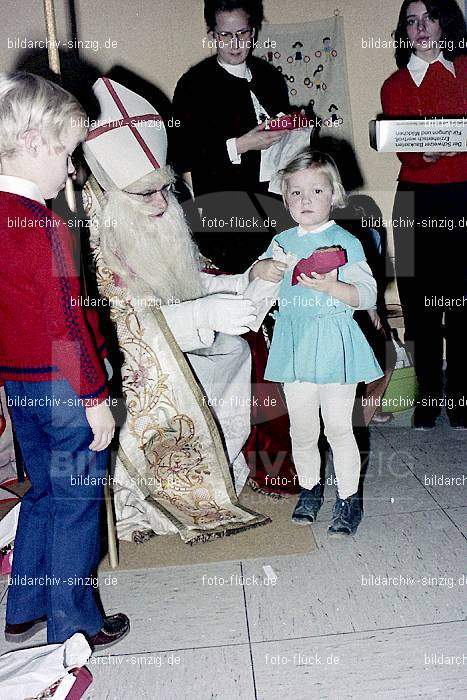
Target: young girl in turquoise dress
{"x": 318, "y": 351}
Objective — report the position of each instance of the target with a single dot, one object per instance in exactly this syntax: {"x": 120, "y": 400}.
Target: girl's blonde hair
{"x": 27, "y": 102}
{"x": 316, "y": 160}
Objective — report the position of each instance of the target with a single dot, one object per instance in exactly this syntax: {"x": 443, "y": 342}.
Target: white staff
{"x": 54, "y": 64}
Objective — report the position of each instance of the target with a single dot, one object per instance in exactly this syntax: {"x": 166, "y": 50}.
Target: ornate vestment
{"x": 171, "y": 472}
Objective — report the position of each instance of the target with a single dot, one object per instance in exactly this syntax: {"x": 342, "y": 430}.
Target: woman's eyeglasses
{"x": 241, "y": 35}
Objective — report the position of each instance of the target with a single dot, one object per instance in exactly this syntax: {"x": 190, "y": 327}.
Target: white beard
{"x": 154, "y": 257}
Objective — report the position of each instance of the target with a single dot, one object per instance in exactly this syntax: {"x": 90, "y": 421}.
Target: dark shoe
{"x": 115, "y": 627}
{"x": 346, "y": 515}
{"x": 424, "y": 418}
{"x": 308, "y": 505}
{"x": 23, "y": 631}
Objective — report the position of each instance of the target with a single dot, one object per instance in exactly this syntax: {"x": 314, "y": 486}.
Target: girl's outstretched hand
{"x": 268, "y": 269}
{"x": 322, "y": 283}
{"x": 329, "y": 284}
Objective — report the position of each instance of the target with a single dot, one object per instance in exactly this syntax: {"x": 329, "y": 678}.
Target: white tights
{"x": 336, "y": 401}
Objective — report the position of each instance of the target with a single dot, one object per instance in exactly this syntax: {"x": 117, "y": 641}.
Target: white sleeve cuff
{"x": 235, "y": 158}
{"x": 360, "y": 275}
{"x": 235, "y": 284}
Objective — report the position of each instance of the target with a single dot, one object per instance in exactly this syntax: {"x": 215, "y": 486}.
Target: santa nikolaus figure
{"x": 185, "y": 372}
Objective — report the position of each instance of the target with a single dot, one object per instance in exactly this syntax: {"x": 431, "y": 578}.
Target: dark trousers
{"x": 57, "y": 542}
{"x": 430, "y": 240}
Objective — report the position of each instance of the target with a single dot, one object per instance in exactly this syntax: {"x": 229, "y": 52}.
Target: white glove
{"x": 226, "y": 313}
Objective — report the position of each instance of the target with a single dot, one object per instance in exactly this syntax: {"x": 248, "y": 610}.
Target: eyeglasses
{"x": 242, "y": 34}
{"x": 146, "y": 196}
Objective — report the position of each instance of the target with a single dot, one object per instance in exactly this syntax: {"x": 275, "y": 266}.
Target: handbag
{"x": 402, "y": 391}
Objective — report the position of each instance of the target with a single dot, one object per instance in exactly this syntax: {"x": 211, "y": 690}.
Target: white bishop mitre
{"x": 128, "y": 141}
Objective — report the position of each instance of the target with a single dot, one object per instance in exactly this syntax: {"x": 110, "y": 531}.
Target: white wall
{"x": 160, "y": 40}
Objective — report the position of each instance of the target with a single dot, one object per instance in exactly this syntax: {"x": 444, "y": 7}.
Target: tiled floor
{"x": 378, "y": 616}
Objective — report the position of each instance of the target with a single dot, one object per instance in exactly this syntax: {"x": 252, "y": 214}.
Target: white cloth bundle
{"x": 25, "y": 673}
{"x": 280, "y": 154}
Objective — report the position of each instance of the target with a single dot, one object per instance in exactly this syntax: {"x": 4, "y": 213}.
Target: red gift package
{"x": 83, "y": 681}
{"x": 321, "y": 261}
{"x": 295, "y": 120}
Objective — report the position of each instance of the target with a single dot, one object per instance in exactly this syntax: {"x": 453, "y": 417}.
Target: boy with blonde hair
{"x": 51, "y": 362}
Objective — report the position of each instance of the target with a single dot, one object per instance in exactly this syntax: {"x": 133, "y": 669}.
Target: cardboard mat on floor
{"x": 280, "y": 537}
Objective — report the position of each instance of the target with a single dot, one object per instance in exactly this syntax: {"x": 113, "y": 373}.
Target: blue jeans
{"x": 57, "y": 542}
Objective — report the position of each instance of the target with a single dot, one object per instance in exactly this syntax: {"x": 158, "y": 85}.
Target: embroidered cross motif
{"x": 126, "y": 121}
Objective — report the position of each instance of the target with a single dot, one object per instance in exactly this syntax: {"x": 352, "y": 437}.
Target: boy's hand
{"x": 322, "y": 283}
{"x": 268, "y": 269}
{"x": 102, "y": 424}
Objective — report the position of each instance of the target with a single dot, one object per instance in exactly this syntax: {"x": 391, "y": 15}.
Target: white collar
{"x": 418, "y": 67}
{"x": 239, "y": 71}
{"x": 302, "y": 232}
{"x": 17, "y": 185}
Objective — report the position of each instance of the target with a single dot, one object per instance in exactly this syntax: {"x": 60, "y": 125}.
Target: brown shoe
{"x": 21, "y": 632}
{"x": 115, "y": 627}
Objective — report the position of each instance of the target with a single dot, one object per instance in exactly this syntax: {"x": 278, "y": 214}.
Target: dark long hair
{"x": 253, "y": 8}
{"x": 452, "y": 23}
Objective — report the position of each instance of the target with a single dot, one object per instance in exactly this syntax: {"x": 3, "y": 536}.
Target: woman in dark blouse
{"x": 222, "y": 103}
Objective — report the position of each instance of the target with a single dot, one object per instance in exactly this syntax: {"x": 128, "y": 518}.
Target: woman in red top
{"x": 429, "y": 210}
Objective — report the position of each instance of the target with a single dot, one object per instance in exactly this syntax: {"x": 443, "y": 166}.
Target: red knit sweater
{"x": 440, "y": 95}
{"x": 44, "y": 333}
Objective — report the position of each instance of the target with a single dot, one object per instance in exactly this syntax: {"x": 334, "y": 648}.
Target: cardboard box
{"x": 419, "y": 135}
